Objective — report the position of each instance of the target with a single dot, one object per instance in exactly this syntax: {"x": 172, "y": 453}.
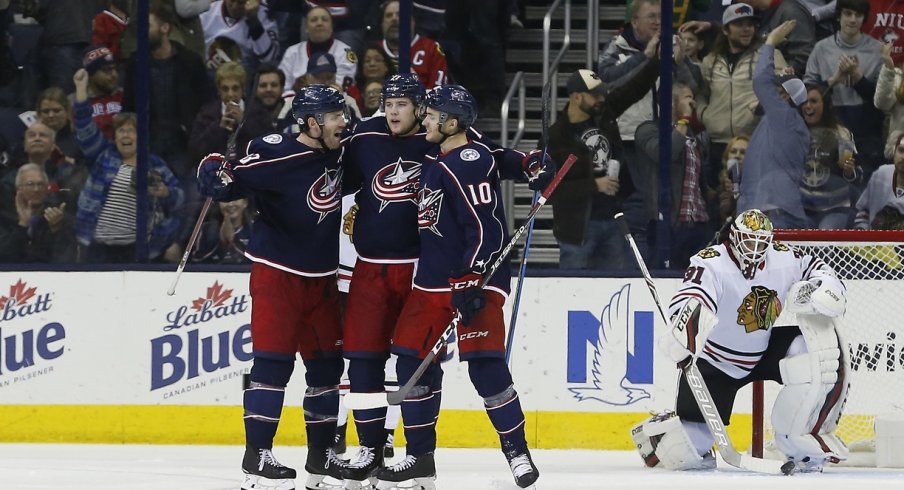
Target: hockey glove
{"x": 690, "y": 329}
{"x": 467, "y": 295}
{"x": 538, "y": 169}
{"x": 214, "y": 176}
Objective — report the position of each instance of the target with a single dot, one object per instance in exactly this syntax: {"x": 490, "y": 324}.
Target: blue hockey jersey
{"x": 386, "y": 169}
{"x": 297, "y": 192}
{"x": 461, "y": 218}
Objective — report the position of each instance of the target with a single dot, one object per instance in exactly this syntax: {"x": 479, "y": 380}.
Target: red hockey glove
{"x": 467, "y": 295}
{"x": 214, "y": 176}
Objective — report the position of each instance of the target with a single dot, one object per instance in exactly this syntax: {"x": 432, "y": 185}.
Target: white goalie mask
{"x": 750, "y": 237}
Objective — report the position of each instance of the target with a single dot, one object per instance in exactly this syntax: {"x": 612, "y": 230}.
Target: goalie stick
{"x": 701, "y": 392}
{"x": 358, "y": 401}
{"x": 231, "y": 156}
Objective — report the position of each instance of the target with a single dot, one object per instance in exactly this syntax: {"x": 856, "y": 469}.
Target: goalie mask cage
{"x": 871, "y": 265}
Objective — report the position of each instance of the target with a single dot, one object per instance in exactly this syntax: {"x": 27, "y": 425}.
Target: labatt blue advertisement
{"x": 30, "y": 340}
{"x": 204, "y": 342}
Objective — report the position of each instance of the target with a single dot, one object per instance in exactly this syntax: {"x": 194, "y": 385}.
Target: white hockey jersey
{"x": 264, "y": 49}
{"x": 295, "y": 62}
{"x": 747, "y": 309}
{"x": 347, "y": 253}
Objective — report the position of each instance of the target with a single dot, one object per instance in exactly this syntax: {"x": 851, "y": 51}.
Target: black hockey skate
{"x": 322, "y": 463}
{"x": 263, "y": 471}
{"x": 368, "y": 462}
{"x": 389, "y": 447}
{"x": 523, "y": 468}
{"x": 421, "y": 469}
{"x": 339, "y": 443}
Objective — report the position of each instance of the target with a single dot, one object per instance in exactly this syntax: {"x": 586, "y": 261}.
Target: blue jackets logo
{"x": 186, "y": 354}
{"x": 325, "y": 194}
{"x": 396, "y": 182}
{"x": 22, "y": 348}
{"x": 610, "y": 356}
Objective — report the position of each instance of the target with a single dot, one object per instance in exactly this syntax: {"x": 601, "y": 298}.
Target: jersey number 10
{"x": 482, "y": 194}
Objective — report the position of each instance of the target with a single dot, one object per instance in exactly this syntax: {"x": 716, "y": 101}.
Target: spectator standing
{"x": 726, "y": 103}
{"x": 849, "y": 62}
{"x": 178, "y": 89}
{"x": 109, "y": 25}
{"x": 796, "y": 49}
{"x": 889, "y": 97}
{"x": 427, "y": 58}
{"x": 105, "y": 221}
{"x": 245, "y": 23}
{"x": 185, "y": 25}
{"x": 43, "y": 231}
{"x": 480, "y": 28}
{"x": 617, "y": 62}
{"x": 830, "y": 168}
{"x": 104, "y": 92}
{"x": 885, "y": 190}
{"x": 319, "y": 25}
{"x": 884, "y": 24}
{"x": 779, "y": 144}
{"x": 691, "y": 195}
{"x": 66, "y": 33}
{"x": 593, "y": 190}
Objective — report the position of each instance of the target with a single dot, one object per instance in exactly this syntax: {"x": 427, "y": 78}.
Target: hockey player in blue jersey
{"x": 462, "y": 229}
{"x": 383, "y": 160}
{"x": 294, "y": 249}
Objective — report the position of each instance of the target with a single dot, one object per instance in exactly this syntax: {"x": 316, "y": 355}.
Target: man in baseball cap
{"x": 737, "y": 12}
{"x": 795, "y": 89}
{"x": 104, "y": 92}
{"x": 322, "y": 69}
{"x": 586, "y": 81}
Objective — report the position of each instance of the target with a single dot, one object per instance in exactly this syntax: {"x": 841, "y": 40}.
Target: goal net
{"x": 871, "y": 265}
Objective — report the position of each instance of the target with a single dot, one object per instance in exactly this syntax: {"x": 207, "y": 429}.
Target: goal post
{"x": 871, "y": 265}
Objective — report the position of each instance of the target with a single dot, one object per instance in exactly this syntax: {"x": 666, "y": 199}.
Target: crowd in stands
{"x": 795, "y": 107}
{"x": 69, "y": 94}
{"x": 790, "y": 106}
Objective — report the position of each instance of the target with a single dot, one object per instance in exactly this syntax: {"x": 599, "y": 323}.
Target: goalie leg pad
{"x": 664, "y": 440}
{"x": 808, "y": 407}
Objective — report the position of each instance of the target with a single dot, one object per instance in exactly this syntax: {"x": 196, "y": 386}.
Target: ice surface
{"x": 159, "y": 467}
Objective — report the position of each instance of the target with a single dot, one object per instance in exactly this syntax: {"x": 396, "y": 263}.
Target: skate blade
{"x": 368, "y": 484}
{"x": 425, "y": 483}
{"x": 254, "y": 482}
{"x": 323, "y": 482}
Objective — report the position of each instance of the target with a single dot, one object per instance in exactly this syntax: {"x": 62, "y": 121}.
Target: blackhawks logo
{"x": 759, "y": 309}
{"x": 708, "y": 253}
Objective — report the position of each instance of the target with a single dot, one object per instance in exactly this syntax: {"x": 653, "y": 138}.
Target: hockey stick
{"x": 510, "y": 339}
{"x": 358, "y": 401}
{"x": 701, "y": 392}
{"x": 231, "y": 156}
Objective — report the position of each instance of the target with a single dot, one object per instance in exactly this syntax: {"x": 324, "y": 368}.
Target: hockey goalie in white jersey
{"x": 743, "y": 285}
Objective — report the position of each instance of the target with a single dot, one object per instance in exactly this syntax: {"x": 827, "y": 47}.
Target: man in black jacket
{"x": 592, "y": 191}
